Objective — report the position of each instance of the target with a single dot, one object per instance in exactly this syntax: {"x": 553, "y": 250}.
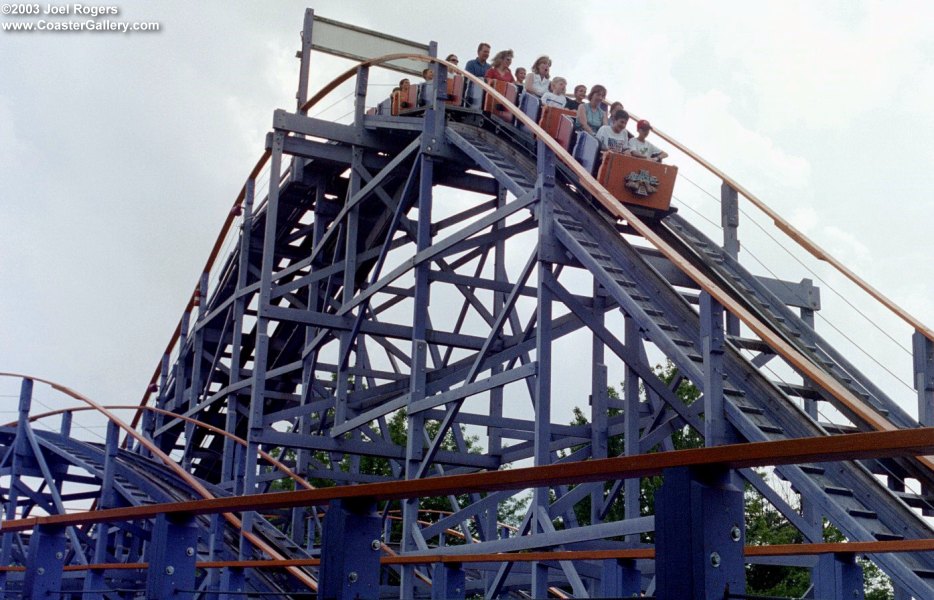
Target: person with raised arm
{"x": 478, "y": 66}
{"x": 614, "y": 137}
{"x": 538, "y": 80}
{"x": 591, "y": 116}
{"x": 500, "y": 67}
{"x": 556, "y": 95}
{"x": 642, "y": 148}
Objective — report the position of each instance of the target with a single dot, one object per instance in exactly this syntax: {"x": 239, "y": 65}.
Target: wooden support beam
{"x": 882, "y": 444}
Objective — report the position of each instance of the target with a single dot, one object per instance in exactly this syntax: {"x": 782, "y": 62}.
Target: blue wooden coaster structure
{"x": 434, "y": 262}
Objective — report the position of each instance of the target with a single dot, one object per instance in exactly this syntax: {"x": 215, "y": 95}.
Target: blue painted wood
{"x": 699, "y": 535}
{"x": 171, "y": 554}
{"x": 448, "y": 582}
{"x": 350, "y": 552}
{"x": 46, "y": 559}
{"x": 838, "y": 577}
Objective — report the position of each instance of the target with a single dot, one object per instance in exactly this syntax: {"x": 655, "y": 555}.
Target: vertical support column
{"x": 94, "y": 580}
{"x": 807, "y": 315}
{"x": 631, "y": 487}
{"x": 838, "y": 577}
{"x": 301, "y": 95}
{"x": 345, "y": 381}
{"x": 181, "y": 378}
{"x": 414, "y": 450}
{"x": 729, "y": 220}
{"x": 351, "y": 231}
{"x": 439, "y": 91}
{"x": 619, "y": 579}
{"x": 197, "y": 362}
{"x": 153, "y": 421}
{"x": 543, "y": 340}
{"x": 20, "y": 448}
{"x": 43, "y": 578}
{"x": 923, "y": 350}
{"x": 599, "y": 407}
{"x": 359, "y": 105}
{"x": 711, "y": 319}
{"x": 809, "y": 510}
{"x": 65, "y": 427}
{"x": 699, "y": 534}
{"x": 232, "y": 584}
{"x": 231, "y": 468}
{"x": 261, "y": 350}
{"x": 350, "y": 550}
{"x": 448, "y": 582}
{"x": 494, "y": 432}
{"x": 172, "y": 553}
{"x": 300, "y": 528}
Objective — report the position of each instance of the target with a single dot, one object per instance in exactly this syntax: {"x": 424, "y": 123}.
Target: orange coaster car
{"x": 553, "y": 121}
{"x": 492, "y": 106}
{"x": 638, "y": 181}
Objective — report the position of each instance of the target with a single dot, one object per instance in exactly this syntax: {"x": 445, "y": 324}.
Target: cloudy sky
{"x": 121, "y": 154}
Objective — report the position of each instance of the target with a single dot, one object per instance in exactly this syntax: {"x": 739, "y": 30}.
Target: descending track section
{"x": 758, "y": 409}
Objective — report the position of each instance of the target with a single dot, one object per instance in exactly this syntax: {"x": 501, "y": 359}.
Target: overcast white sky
{"x": 121, "y": 154}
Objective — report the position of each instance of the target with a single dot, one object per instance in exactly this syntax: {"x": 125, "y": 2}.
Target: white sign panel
{"x": 357, "y": 43}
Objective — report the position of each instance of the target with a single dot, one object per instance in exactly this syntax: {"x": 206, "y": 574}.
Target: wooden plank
{"x": 906, "y": 442}
{"x": 804, "y": 549}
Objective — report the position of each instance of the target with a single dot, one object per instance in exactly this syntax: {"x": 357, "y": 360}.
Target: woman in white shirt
{"x": 556, "y": 97}
{"x": 537, "y": 82}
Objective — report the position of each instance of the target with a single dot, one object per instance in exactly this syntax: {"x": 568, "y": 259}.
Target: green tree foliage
{"x": 681, "y": 439}
{"x": 764, "y": 524}
{"x": 430, "y": 509}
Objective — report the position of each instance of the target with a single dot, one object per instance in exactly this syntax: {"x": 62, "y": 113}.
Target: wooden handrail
{"x": 801, "y": 239}
{"x": 854, "y": 446}
{"x": 802, "y": 549}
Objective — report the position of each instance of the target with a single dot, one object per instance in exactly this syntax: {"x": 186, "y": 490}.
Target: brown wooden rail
{"x": 800, "y": 238}
{"x": 881, "y": 444}
{"x": 804, "y": 549}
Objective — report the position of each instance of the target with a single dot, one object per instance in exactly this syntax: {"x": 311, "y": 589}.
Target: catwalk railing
{"x": 171, "y": 566}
